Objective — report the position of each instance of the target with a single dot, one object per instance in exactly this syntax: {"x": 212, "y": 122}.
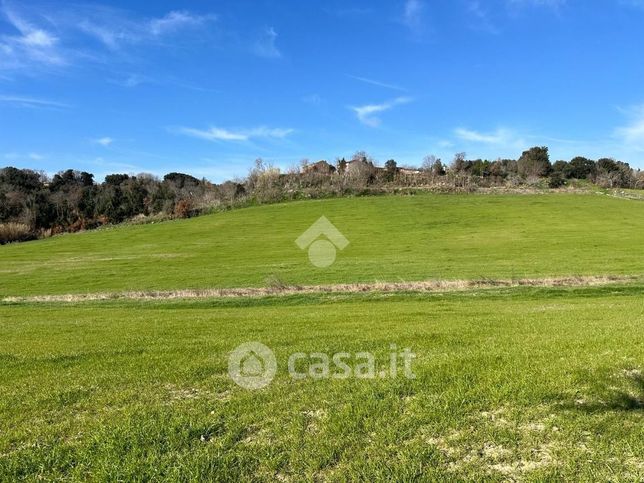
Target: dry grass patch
{"x": 14, "y": 232}
{"x": 281, "y": 289}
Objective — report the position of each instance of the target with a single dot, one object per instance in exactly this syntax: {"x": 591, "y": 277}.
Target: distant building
{"x": 409, "y": 171}
{"x": 321, "y": 167}
{"x": 356, "y": 166}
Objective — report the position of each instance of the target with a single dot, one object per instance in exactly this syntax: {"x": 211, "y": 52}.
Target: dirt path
{"x": 378, "y": 287}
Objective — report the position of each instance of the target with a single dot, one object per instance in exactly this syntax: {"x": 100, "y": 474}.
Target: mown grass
{"x": 521, "y": 383}
{"x": 391, "y": 238}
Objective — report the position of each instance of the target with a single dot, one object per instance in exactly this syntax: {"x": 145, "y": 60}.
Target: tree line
{"x": 34, "y": 205}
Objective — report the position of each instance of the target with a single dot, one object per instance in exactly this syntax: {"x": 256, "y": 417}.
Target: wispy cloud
{"x": 266, "y": 44}
{"x": 219, "y": 134}
{"x": 176, "y": 20}
{"x": 60, "y": 37}
{"x": 501, "y": 137}
{"x": 104, "y": 141}
{"x": 115, "y": 28}
{"x": 367, "y": 114}
{"x": 377, "y": 83}
{"x": 553, "y": 4}
{"x": 632, "y": 134}
{"x": 478, "y": 137}
{"x": 481, "y": 18}
{"x": 19, "y": 156}
{"x": 29, "y": 45}
{"x": 33, "y": 102}
{"x": 136, "y": 80}
{"x": 414, "y": 16}
{"x": 132, "y": 80}
{"x": 313, "y": 99}
{"x": 632, "y": 3}
{"x": 29, "y": 34}
{"x": 349, "y": 11}
{"x": 114, "y": 165}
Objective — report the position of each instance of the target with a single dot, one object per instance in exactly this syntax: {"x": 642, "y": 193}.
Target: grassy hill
{"x": 391, "y": 238}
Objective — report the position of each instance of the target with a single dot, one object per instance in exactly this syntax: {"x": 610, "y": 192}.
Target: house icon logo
{"x": 252, "y": 365}
{"x": 322, "y": 239}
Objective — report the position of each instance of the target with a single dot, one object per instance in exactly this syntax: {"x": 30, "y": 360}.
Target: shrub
{"x": 15, "y": 232}
{"x": 556, "y": 180}
{"x": 183, "y": 209}
{"x": 581, "y": 168}
{"x": 535, "y": 162}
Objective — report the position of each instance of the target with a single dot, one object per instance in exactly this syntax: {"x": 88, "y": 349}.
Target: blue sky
{"x": 205, "y": 87}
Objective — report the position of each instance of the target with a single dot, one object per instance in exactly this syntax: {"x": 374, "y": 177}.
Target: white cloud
{"x": 474, "y": 136}
{"x": 30, "y": 45}
{"x": 632, "y": 134}
{"x": 113, "y": 28}
{"x": 50, "y": 38}
{"x": 132, "y": 80}
{"x": 503, "y": 138}
{"x": 104, "y": 141}
{"x": 219, "y": 134}
{"x": 266, "y": 46}
{"x": 376, "y": 83}
{"x": 38, "y": 38}
{"x": 24, "y": 101}
{"x": 109, "y": 37}
{"x": 413, "y": 15}
{"x": 264, "y": 132}
{"x": 367, "y": 114}
{"x": 29, "y": 34}
{"x": 20, "y": 156}
{"x": 214, "y": 134}
{"x": 176, "y": 20}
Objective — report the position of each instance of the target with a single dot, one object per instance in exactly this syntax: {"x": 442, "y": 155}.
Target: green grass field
{"x": 516, "y": 383}
{"x": 512, "y": 384}
{"x": 391, "y": 238}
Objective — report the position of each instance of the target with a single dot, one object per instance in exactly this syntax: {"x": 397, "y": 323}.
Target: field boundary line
{"x": 376, "y": 287}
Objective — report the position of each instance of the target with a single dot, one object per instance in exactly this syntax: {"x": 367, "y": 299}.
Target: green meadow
{"x": 511, "y": 384}
{"x": 531, "y": 383}
{"x": 390, "y": 239}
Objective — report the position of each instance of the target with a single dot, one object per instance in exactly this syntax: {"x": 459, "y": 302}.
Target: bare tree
{"x": 428, "y": 162}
